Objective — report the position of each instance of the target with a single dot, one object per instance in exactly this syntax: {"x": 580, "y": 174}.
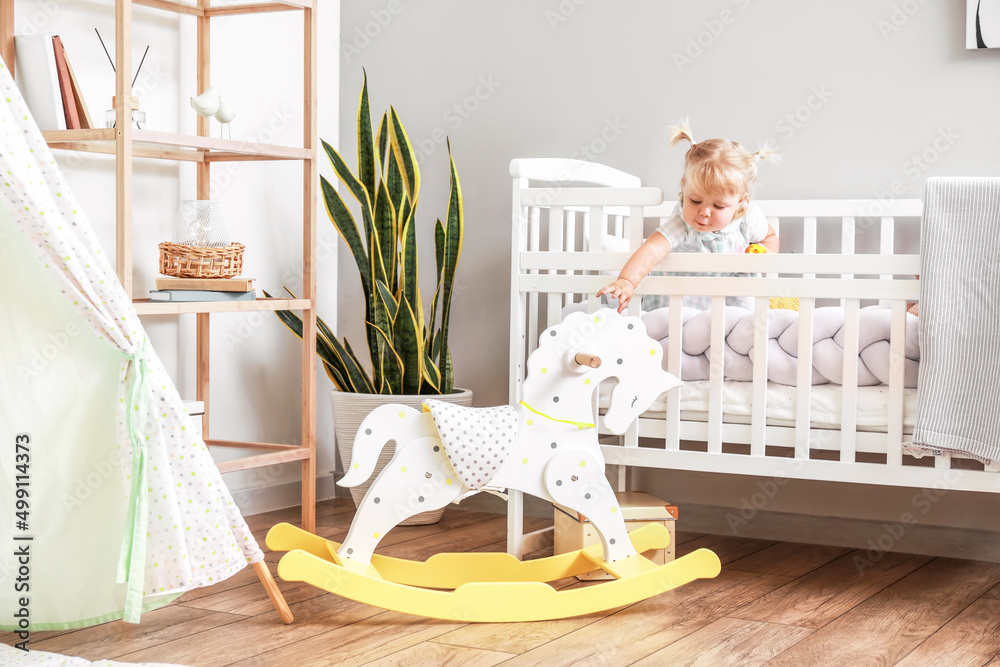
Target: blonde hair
{"x": 719, "y": 166}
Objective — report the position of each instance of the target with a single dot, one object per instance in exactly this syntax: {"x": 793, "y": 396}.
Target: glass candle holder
{"x": 138, "y": 117}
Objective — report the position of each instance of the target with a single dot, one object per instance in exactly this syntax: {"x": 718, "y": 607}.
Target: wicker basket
{"x": 188, "y": 261}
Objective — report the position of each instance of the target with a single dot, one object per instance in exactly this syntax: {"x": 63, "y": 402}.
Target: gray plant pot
{"x": 350, "y": 409}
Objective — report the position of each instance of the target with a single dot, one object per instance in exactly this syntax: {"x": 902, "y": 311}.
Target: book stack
{"x": 47, "y": 82}
{"x": 203, "y": 289}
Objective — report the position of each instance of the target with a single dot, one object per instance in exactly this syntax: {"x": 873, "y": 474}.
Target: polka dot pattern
{"x": 194, "y": 533}
{"x": 476, "y": 440}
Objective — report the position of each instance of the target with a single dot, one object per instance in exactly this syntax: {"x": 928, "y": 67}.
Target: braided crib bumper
{"x": 783, "y": 331}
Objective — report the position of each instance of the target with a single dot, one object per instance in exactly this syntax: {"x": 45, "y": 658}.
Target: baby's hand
{"x": 621, "y": 290}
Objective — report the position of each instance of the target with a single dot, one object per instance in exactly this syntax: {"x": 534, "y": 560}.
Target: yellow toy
{"x": 547, "y": 446}
{"x": 777, "y": 302}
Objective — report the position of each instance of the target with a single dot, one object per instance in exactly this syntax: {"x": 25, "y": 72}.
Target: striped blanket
{"x": 958, "y": 405}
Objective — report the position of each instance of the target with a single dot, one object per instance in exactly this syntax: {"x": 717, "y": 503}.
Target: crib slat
{"x": 809, "y": 240}
{"x": 758, "y": 419}
{"x": 775, "y": 225}
{"x": 803, "y": 378}
{"x": 847, "y": 241}
{"x": 673, "y": 412}
{"x": 569, "y": 232}
{"x": 553, "y": 307}
{"x": 596, "y": 226}
{"x": 897, "y": 366}
{"x": 716, "y": 374}
{"x": 518, "y": 309}
{"x": 535, "y": 232}
{"x": 849, "y": 387}
{"x": 886, "y": 246}
{"x": 635, "y": 224}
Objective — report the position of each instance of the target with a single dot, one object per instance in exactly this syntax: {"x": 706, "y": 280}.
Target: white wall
{"x": 864, "y": 99}
{"x": 257, "y": 64}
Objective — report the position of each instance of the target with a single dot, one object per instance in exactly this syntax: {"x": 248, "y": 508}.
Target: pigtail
{"x": 681, "y": 132}
{"x": 765, "y": 152}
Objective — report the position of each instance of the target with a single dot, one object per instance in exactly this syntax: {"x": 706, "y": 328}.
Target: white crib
{"x": 564, "y": 214}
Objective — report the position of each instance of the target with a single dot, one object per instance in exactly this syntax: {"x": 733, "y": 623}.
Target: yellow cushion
{"x": 786, "y": 302}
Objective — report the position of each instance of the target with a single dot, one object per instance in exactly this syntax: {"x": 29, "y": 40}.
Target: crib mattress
{"x": 825, "y": 403}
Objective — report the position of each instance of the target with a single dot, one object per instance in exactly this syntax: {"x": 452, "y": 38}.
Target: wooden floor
{"x": 775, "y": 603}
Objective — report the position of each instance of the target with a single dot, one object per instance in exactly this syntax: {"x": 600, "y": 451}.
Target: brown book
{"x": 206, "y": 284}
{"x": 81, "y": 105}
{"x": 66, "y": 86}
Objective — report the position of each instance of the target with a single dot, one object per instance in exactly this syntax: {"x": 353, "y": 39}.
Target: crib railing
{"x": 572, "y": 235}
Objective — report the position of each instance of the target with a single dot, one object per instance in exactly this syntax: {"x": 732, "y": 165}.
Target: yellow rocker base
{"x": 489, "y": 587}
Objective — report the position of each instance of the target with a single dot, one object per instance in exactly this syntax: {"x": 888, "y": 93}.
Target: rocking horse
{"x": 546, "y": 446}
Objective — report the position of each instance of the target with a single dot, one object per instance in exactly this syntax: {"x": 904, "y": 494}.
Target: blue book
{"x": 200, "y": 295}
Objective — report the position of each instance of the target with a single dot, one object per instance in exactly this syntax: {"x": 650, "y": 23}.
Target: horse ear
{"x": 670, "y": 381}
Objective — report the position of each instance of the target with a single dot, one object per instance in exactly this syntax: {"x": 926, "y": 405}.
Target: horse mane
{"x": 576, "y": 328}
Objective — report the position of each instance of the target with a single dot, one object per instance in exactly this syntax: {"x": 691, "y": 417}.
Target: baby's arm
{"x": 771, "y": 240}
{"x": 638, "y": 266}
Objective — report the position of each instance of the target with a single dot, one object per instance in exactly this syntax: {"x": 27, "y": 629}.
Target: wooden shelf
{"x": 269, "y": 459}
{"x": 173, "y": 146}
{"x": 147, "y": 307}
{"x": 227, "y": 10}
{"x": 126, "y": 142}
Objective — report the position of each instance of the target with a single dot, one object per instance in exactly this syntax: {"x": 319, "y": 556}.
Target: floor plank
{"x": 727, "y": 548}
{"x": 358, "y": 643}
{"x": 971, "y": 638}
{"x": 824, "y": 594}
{"x": 441, "y": 655}
{"x": 646, "y": 627}
{"x": 253, "y": 636}
{"x": 728, "y": 641}
{"x": 515, "y": 637}
{"x": 777, "y": 603}
{"x": 111, "y": 640}
{"x": 893, "y": 622}
{"x": 788, "y": 558}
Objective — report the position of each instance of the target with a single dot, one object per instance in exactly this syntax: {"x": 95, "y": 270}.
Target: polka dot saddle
{"x": 476, "y": 440}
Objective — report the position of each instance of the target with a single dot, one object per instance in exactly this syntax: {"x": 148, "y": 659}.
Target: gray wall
{"x": 863, "y": 99}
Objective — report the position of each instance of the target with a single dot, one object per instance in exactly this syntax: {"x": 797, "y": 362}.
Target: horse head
{"x": 597, "y": 346}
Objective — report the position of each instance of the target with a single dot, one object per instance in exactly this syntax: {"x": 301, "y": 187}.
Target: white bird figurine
{"x": 225, "y": 115}
{"x": 207, "y": 103}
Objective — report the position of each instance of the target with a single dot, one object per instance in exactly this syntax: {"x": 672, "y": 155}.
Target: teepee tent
{"x": 112, "y": 504}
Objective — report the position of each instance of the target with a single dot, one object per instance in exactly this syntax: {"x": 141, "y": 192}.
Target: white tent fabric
{"x": 123, "y": 508}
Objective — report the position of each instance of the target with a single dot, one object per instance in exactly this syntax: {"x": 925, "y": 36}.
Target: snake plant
{"x": 407, "y": 347}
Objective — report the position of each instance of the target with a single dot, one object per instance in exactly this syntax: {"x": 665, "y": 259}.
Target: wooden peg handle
{"x": 586, "y": 359}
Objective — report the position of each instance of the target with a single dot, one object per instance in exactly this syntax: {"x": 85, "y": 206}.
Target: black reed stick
{"x": 110, "y": 60}
{"x": 140, "y": 65}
